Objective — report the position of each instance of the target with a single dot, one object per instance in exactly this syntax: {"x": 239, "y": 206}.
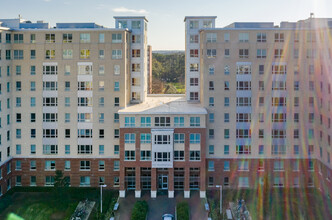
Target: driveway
{"x": 161, "y": 205}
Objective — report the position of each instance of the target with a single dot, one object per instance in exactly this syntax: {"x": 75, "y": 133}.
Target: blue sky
{"x": 166, "y": 26}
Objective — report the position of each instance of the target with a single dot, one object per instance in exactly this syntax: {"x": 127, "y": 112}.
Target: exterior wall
{"x": 6, "y": 177}
{"x": 74, "y": 172}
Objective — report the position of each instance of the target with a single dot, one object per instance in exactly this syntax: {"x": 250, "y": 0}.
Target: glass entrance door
{"x": 163, "y": 182}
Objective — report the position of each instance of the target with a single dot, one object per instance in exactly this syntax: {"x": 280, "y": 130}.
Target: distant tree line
{"x": 169, "y": 68}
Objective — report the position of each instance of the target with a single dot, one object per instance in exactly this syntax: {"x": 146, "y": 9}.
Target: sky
{"x": 166, "y": 25}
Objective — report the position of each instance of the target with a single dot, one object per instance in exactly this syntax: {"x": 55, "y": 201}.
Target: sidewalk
{"x": 161, "y": 205}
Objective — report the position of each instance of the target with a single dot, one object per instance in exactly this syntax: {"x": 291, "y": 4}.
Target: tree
{"x": 266, "y": 196}
{"x": 60, "y": 180}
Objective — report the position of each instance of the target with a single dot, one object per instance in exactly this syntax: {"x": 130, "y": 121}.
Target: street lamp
{"x": 101, "y": 197}
{"x": 220, "y": 186}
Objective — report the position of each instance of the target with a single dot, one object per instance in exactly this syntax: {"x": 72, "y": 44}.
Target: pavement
{"x": 161, "y": 205}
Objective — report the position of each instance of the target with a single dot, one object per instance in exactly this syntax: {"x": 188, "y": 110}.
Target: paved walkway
{"x": 161, "y": 205}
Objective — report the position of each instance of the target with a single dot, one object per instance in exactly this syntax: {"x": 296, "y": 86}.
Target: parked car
{"x": 168, "y": 217}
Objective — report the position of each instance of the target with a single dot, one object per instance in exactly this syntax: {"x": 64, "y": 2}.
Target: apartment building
{"x": 257, "y": 107}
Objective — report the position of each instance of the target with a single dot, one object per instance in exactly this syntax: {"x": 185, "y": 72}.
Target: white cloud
{"x": 127, "y": 10}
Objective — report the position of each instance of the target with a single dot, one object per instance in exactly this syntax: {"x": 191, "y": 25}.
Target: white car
{"x": 168, "y": 217}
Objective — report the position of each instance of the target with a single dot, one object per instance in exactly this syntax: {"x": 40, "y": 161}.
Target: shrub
{"x": 182, "y": 211}
{"x": 140, "y": 210}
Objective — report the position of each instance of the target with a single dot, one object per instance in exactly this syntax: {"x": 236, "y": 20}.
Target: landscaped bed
{"x": 276, "y": 204}
{"x": 39, "y": 203}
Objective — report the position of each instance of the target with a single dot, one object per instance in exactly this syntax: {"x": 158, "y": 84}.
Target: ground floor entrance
{"x": 163, "y": 182}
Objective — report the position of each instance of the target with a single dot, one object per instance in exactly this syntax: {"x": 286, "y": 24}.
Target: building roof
{"x": 199, "y": 17}
{"x": 165, "y": 104}
{"x": 131, "y": 17}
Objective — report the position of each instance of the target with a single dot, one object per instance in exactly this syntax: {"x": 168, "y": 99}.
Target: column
{"x": 186, "y": 182}
{"x": 138, "y": 182}
{"x": 170, "y": 182}
{"x": 122, "y": 191}
{"x": 202, "y": 178}
{"x": 153, "y": 182}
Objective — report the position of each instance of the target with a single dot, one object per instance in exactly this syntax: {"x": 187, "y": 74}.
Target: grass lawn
{"x": 45, "y": 203}
{"x": 281, "y": 204}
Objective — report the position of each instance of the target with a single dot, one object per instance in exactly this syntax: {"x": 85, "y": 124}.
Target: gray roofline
{"x": 198, "y": 17}
{"x": 131, "y": 17}
{"x": 73, "y": 29}
{"x": 252, "y": 29}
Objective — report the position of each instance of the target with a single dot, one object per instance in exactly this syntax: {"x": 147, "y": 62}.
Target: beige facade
{"x": 257, "y": 103}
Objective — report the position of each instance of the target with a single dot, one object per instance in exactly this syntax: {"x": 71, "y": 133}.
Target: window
{"x": 226, "y": 133}
{"x": 211, "y": 165}
{"x": 116, "y": 133}
{"x": 32, "y": 38}
{"x": 32, "y": 86}
{"x": 226, "y": 101}
{"x": 261, "y": 37}
{"x": 136, "y": 53}
{"x": 67, "y": 38}
{"x": 67, "y": 149}
{"x": 18, "y": 101}
{"x": 261, "y": 149}
{"x": 278, "y": 165}
{"x": 145, "y": 138}
{"x": 278, "y": 149}
{"x": 129, "y": 155}
{"x": 193, "y": 96}
{"x": 101, "y": 165}
{"x": 116, "y": 54}
{"x": 243, "y": 133}
{"x": 84, "y": 133}
{"x": 50, "y": 149}
{"x": 195, "y": 138}
{"x": 49, "y": 165}
{"x": 279, "y": 69}
{"x": 129, "y": 121}
{"x": 279, "y": 101}
{"x": 194, "y": 53}
{"x": 18, "y": 55}
{"x": 226, "y": 149}
{"x": 243, "y": 149}
{"x": 243, "y": 117}
{"x": 102, "y": 38}
{"x": 194, "y": 155}
{"x": 84, "y": 165}
{"x": 211, "y": 70}
{"x": 193, "y": 81}
{"x": 178, "y": 121}
{"x": 194, "y": 121}
{"x": 162, "y": 121}
{"x": 211, "y": 101}
{"x": 145, "y": 155}
{"x": 116, "y": 86}
{"x": 227, "y": 53}
{"x": 261, "y": 69}
{"x": 32, "y": 149}
{"x": 67, "y": 54}
{"x": 243, "y": 165}
{"x": 211, "y": 149}
{"x": 211, "y": 53}
{"x": 278, "y": 53}
{"x": 84, "y": 38}
{"x": 243, "y": 53}
{"x": 194, "y": 67}
{"x": 211, "y": 117}
{"x": 129, "y": 138}
{"x": 18, "y": 149}
{"x": 32, "y": 165}
{"x": 193, "y": 39}
{"x": 136, "y": 24}
{"x": 136, "y": 39}
{"x": 178, "y": 155}
{"x": 49, "y": 180}
{"x": 261, "y": 53}
{"x": 279, "y": 37}
{"x": 116, "y": 149}
{"x": 49, "y": 54}
{"x": 32, "y": 117}
{"x": 116, "y": 101}
{"x": 50, "y": 38}
{"x": 279, "y": 117}
{"x": 243, "y": 85}
{"x": 145, "y": 121}
{"x": 84, "y": 181}
{"x": 243, "y": 37}
{"x": 226, "y": 85}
